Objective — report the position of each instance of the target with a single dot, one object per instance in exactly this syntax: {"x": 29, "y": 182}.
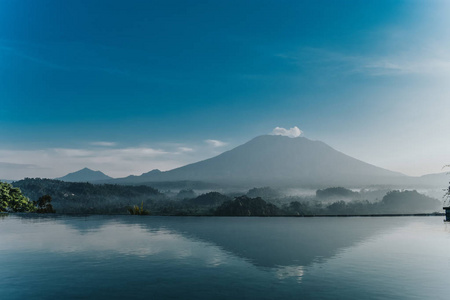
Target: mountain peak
{"x": 152, "y": 172}
{"x": 84, "y": 175}
{"x": 276, "y": 160}
{"x": 271, "y": 139}
{"x": 278, "y": 137}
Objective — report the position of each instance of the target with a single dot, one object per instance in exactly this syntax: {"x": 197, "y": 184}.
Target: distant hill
{"x": 409, "y": 202}
{"x": 7, "y": 180}
{"x": 84, "y": 175}
{"x": 439, "y": 180}
{"x": 142, "y": 178}
{"x": 272, "y": 160}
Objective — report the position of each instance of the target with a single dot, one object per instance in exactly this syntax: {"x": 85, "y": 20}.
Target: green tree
{"x": 136, "y": 210}
{"x": 44, "y": 205}
{"x": 12, "y": 199}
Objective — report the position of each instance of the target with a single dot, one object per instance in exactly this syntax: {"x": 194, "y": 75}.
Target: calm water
{"x": 123, "y": 257}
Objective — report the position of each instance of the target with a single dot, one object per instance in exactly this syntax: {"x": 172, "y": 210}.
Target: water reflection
{"x": 295, "y": 272}
{"x": 273, "y": 242}
{"x": 200, "y": 258}
{"x": 265, "y": 242}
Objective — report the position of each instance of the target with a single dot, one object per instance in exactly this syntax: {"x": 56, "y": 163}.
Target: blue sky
{"x": 129, "y": 86}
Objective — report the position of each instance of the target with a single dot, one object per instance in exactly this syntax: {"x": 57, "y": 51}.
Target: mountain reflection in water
{"x": 113, "y": 257}
{"x": 266, "y": 242}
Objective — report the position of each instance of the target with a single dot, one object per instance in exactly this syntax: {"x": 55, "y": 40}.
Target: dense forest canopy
{"x": 83, "y": 197}
{"x": 209, "y": 199}
{"x": 245, "y": 206}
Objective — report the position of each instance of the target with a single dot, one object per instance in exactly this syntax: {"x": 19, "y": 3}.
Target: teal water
{"x": 133, "y": 257}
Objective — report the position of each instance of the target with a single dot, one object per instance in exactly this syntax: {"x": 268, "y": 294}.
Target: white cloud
{"x": 216, "y": 143}
{"x": 103, "y": 144}
{"x": 136, "y": 152}
{"x": 185, "y": 149}
{"x": 115, "y": 162}
{"x": 292, "y": 133}
{"x": 67, "y": 152}
{"x": 55, "y": 162}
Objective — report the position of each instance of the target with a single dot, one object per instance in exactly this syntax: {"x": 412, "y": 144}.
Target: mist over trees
{"x": 78, "y": 197}
{"x": 336, "y": 192}
{"x": 186, "y": 194}
{"x": 394, "y": 202}
{"x": 264, "y": 192}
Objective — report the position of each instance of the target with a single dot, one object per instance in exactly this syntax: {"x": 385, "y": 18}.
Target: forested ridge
{"x": 83, "y": 197}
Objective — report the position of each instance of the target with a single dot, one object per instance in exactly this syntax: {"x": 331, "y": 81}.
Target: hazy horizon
{"x": 125, "y": 88}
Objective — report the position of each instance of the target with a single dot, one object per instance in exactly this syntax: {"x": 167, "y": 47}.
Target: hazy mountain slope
{"x": 84, "y": 175}
{"x": 278, "y": 160}
{"x": 440, "y": 180}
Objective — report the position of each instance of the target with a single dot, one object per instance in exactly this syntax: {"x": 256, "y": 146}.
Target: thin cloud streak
{"x": 49, "y": 64}
{"x": 103, "y": 144}
{"x": 185, "y": 149}
{"x": 216, "y": 143}
{"x": 431, "y": 60}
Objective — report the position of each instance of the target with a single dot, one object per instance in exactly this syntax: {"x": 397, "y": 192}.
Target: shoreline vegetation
{"x": 70, "y": 198}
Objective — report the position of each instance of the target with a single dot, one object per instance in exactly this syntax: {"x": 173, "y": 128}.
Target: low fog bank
{"x": 70, "y": 197}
